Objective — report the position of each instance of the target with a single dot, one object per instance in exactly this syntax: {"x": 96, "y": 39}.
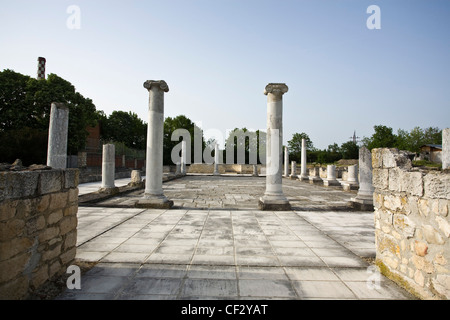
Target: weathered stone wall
{"x": 38, "y": 221}
{"x": 412, "y": 223}
{"x": 223, "y": 168}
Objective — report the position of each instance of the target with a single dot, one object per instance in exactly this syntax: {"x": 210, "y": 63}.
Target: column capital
{"x": 276, "y": 88}
{"x": 159, "y": 83}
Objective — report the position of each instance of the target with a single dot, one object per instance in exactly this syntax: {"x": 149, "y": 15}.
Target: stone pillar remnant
{"x": 364, "y": 198}
{"x": 57, "y": 136}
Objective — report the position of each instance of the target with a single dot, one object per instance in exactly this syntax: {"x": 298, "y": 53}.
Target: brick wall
{"x": 38, "y": 221}
{"x": 412, "y": 223}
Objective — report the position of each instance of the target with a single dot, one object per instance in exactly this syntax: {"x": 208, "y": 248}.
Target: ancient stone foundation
{"x": 412, "y": 224}
{"x": 38, "y": 228}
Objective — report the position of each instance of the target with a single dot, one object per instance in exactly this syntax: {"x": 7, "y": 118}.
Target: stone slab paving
{"x": 219, "y": 253}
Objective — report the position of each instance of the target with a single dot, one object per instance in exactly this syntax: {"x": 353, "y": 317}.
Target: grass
{"x": 426, "y": 163}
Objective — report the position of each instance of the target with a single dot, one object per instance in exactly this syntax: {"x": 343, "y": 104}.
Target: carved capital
{"x": 158, "y": 83}
{"x": 276, "y": 88}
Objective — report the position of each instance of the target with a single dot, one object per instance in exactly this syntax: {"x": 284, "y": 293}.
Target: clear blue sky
{"x": 218, "y": 55}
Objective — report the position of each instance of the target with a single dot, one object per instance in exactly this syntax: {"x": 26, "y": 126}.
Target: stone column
{"x": 153, "y": 195}
{"x": 331, "y": 177}
{"x": 183, "y": 158}
{"x": 216, "y": 160}
{"x": 303, "y": 175}
{"x": 57, "y": 136}
{"x": 136, "y": 178}
{"x": 364, "y": 198}
{"x": 446, "y": 148}
{"x": 273, "y": 198}
{"x": 255, "y": 170}
{"x": 352, "y": 179}
{"x": 293, "y": 175}
{"x": 108, "y": 168}
{"x": 286, "y": 162}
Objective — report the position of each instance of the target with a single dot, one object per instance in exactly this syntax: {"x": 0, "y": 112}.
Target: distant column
{"x": 255, "y": 170}
{"x": 183, "y": 158}
{"x": 57, "y": 136}
{"x": 364, "y": 198}
{"x": 286, "y": 162}
{"x": 352, "y": 179}
{"x": 153, "y": 195}
{"x": 216, "y": 160}
{"x": 273, "y": 198}
{"x": 304, "y": 174}
{"x": 446, "y": 148}
{"x": 108, "y": 166}
{"x": 293, "y": 170}
{"x": 331, "y": 176}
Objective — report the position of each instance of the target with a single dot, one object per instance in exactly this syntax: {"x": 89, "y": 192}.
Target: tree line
{"x": 383, "y": 137}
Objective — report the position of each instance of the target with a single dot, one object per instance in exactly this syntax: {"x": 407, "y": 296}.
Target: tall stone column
{"x": 273, "y": 198}
{"x": 57, "y": 136}
{"x": 183, "y": 158}
{"x": 303, "y": 175}
{"x": 216, "y": 160}
{"x": 286, "y": 162}
{"x": 108, "y": 168}
{"x": 446, "y": 148}
{"x": 364, "y": 198}
{"x": 153, "y": 195}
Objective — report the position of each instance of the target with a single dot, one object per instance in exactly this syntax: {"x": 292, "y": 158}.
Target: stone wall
{"x": 38, "y": 221}
{"x": 223, "y": 168}
{"x": 412, "y": 223}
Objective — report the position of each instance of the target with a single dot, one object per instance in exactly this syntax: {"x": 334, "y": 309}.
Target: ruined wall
{"x": 38, "y": 221}
{"x": 412, "y": 223}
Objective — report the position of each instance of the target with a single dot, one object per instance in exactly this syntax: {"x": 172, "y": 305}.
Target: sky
{"x": 217, "y": 56}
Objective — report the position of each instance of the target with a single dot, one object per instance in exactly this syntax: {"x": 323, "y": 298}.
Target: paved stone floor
{"x": 215, "y": 244}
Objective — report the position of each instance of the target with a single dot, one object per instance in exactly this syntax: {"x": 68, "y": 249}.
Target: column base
{"x": 330, "y": 183}
{"x": 154, "y": 203}
{"x": 293, "y": 177}
{"x": 274, "y": 205}
{"x": 109, "y": 191}
{"x": 362, "y": 203}
{"x": 315, "y": 180}
{"x": 303, "y": 178}
{"x": 348, "y": 186}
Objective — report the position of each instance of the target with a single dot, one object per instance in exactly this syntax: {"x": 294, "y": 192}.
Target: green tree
{"x": 251, "y": 142}
{"x": 382, "y": 138}
{"x": 172, "y": 124}
{"x": 124, "y": 127}
{"x": 25, "y": 109}
{"x": 295, "y": 146}
{"x": 349, "y": 150}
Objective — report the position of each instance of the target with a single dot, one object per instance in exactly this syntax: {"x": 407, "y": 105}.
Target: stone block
{"x": 54, "y": 217}
{"x": 437, "y": 185}
{"x": 380, "y": 179}
{"x": 420, "y": 248}
{"x": 13, "y": 247}
{"x": 59, "y": 200}
{"x": 50, "y": 181}
{"x": 432, "y": 235}
{"x": 68, "y": 256}
{"x": 21, "y": 184}
{"x": 71, "y": 178}
{"x": 68, "y": 224}
{"x": 404, "y": 224}
{"x": 11, "y": 229}
{"x": 444, "y": 226}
